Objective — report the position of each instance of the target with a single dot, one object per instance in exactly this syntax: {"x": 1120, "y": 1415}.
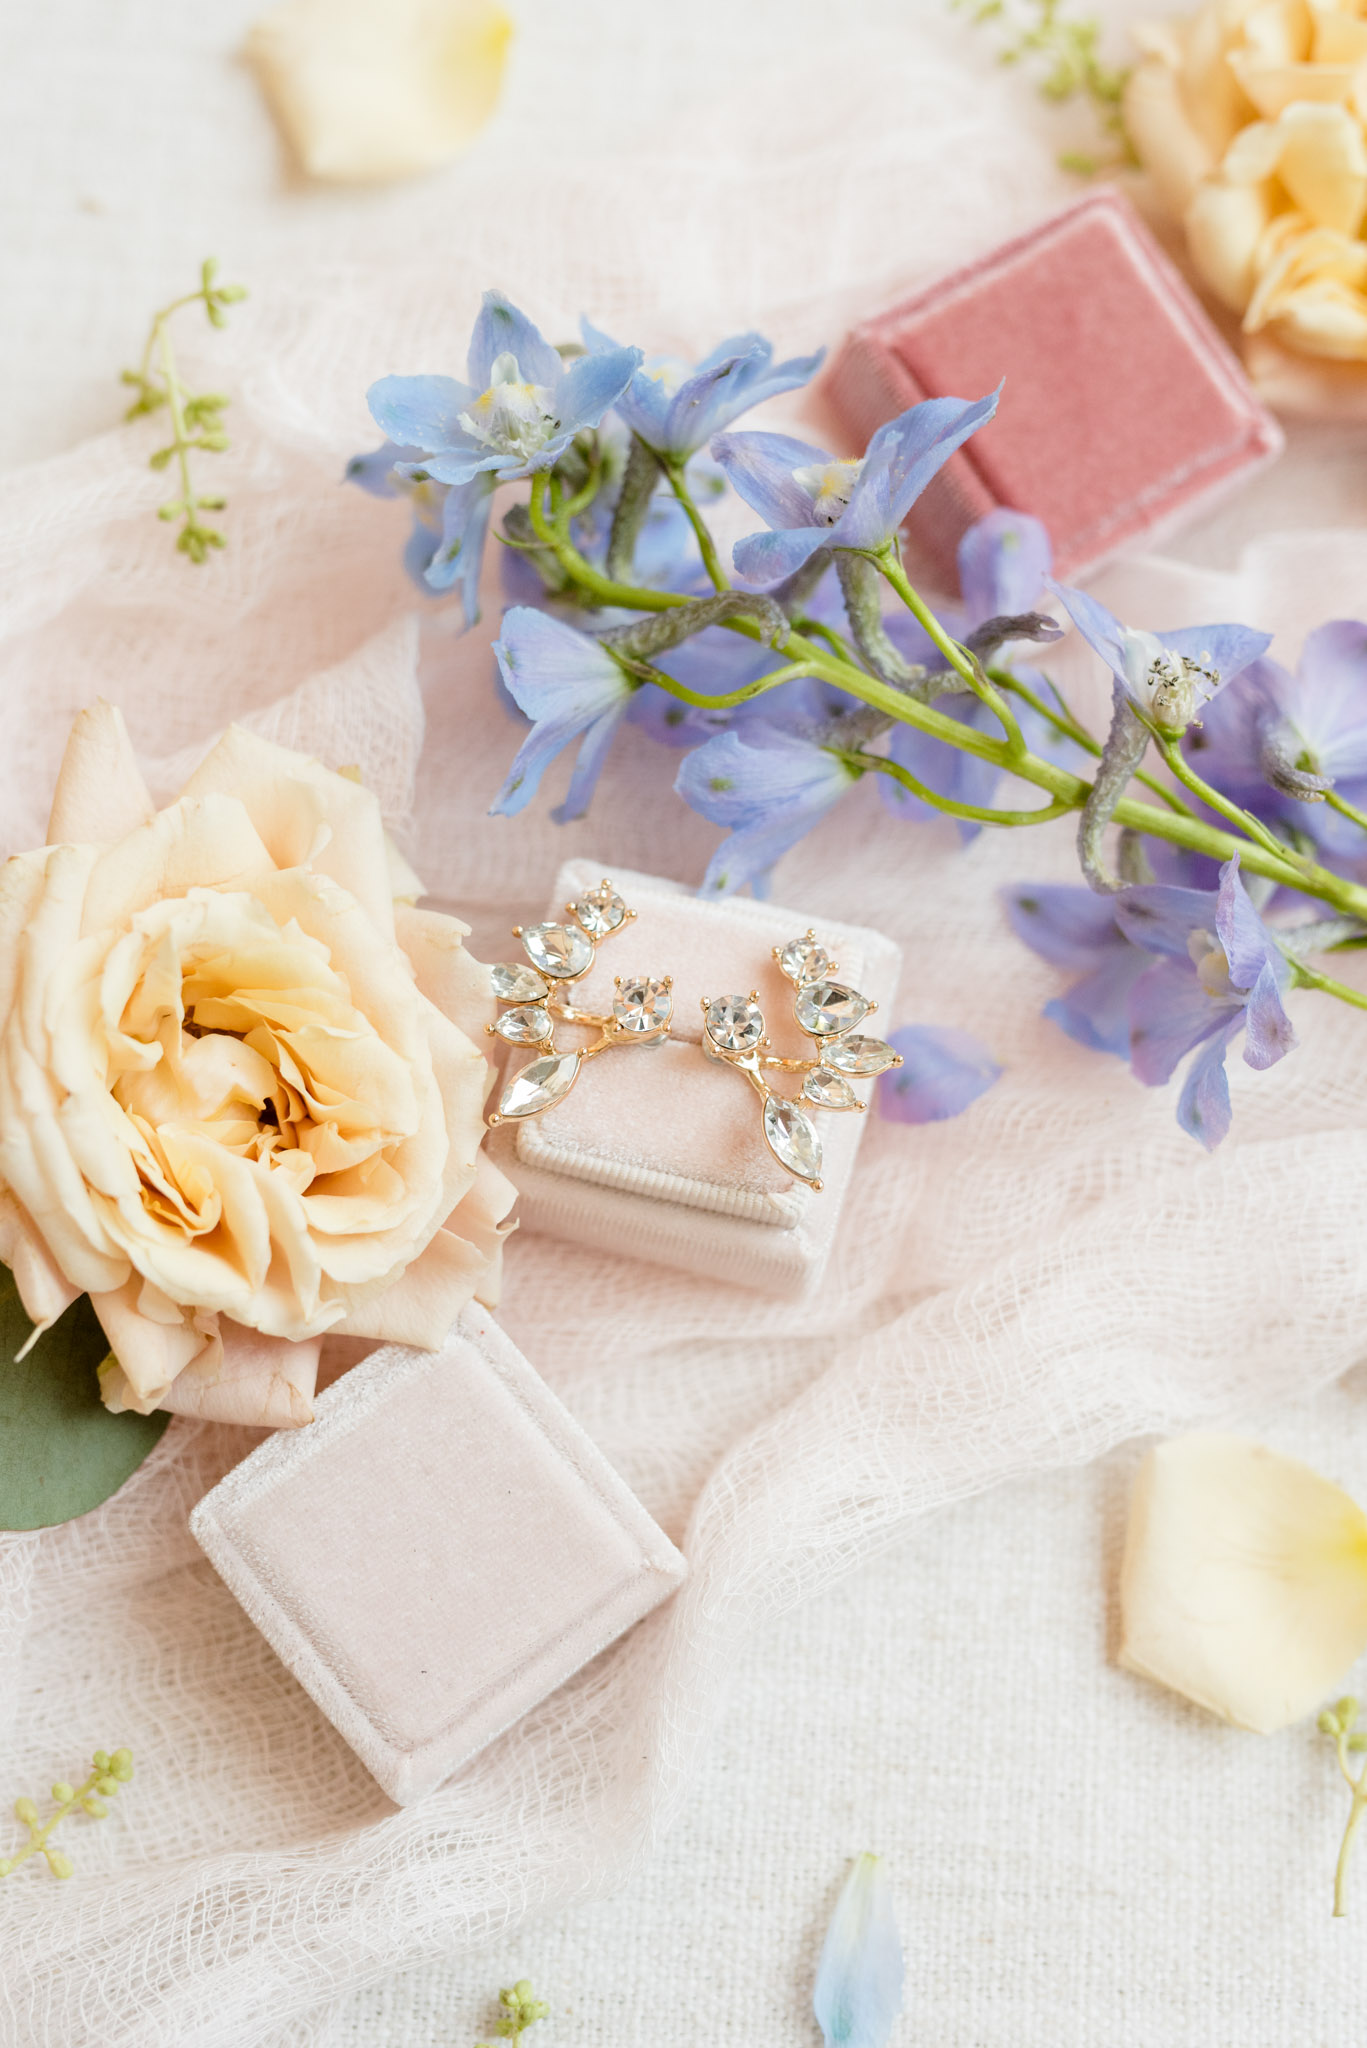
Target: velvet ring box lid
{"x": 439, "y": 1549}
{"x": 658, "y": 1152}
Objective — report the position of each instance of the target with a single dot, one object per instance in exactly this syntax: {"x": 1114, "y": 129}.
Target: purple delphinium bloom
{"x": 571, "y": 688}
{"x": 1306, "y": 727}
{"x": 942, "y": 1072}
{"x": 1167, "y": 677}
{"x": 518, "y": 413}
{"x": 446, "y": 543}
{"x": 812, "y": 500}
{"x": 769, "y": 788}
{"x": 1004, "y": 561}
{"x": 676, "y": 410}
{"x": 1219, "y": 972}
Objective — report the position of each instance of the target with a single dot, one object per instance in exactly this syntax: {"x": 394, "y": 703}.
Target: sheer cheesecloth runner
{"x": 1022, "y": 1288}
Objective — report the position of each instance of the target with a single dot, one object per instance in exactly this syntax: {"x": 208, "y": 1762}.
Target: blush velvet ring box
{"x": 658, "y": 1153}
{"x": 439, "y": 1549}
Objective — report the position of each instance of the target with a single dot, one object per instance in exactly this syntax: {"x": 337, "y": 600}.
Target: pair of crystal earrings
{"x": 540, "y": 995}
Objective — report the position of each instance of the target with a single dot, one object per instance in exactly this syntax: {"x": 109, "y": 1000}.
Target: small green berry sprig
{"x": 196, "y": 418}
{"x": 1068, "y": 49}
{"x": 105, "y": 1779}
{"x": 521, "y": 2009}
{"x": 1340, "y": 1722}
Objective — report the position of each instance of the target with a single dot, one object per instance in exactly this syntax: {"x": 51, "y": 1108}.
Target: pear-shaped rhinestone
{"x": 529, "y": 1025}
{"x": 514, "y": 983}
{"x": 600, "y": 910}
{"x": 642, "y": 1005}
{"x": 829, "y": 1090}
{"x": 859, "y": 1056}
{"x": 558, "y": 950}
{"x": 544, "y": 1082}
{"x": 792, "y": 1138}
{"x": 826, "y": 1008}
{"x": 734, "y": 1023}
{"x": 802, "y": 960}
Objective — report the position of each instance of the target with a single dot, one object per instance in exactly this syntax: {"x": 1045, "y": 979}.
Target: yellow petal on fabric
{"x": 369, "y": 90}
{"x": 1244, "y": 1583}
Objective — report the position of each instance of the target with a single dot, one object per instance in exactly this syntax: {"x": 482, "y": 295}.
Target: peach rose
{"x": 241, "y": 1101}
{"x": 1250, "y": 117}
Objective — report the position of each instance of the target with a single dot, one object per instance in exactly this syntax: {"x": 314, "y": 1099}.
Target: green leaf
{"x": 61, "y": 1451}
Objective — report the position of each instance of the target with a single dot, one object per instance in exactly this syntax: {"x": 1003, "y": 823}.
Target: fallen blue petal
{"x": 942, "y": 1072}
{"x": 858, "y": 1993}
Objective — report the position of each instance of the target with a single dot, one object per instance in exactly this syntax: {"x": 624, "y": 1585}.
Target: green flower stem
{"x": 678, "y": 483}
{"x": 1310, "y": 977}
{"x": 648, "y": 673}
{"x": 860, "y": 763}
{"x": 1066, "y": 723}
{"x": 1243, "y": 820}
{"x": 1273, "y": 860}
{"x": 1345, "y": 809}
{"x": 958, "y": 657}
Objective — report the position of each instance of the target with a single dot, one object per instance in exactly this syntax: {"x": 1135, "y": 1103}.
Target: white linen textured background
{"x": 1077, "y": 1858}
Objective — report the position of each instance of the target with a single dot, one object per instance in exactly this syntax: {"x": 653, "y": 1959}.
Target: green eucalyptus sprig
{"x": 196, "y": 417}
{"x": 1068, "y": 50}
{"x": 109, "y": 1772}
{"x": 521, "y": 2009}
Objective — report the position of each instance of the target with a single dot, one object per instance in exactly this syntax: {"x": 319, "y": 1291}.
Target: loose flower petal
{"x": 859, "y": 1979}
{"x": 942, "y": 1072}
{"x": 1244, "y": 1585}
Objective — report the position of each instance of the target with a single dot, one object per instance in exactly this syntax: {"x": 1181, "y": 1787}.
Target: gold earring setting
{"x": 538, "y": 995}
{"x": 827, "y": 1012}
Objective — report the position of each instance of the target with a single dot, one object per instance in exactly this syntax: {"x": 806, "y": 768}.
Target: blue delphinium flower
{"x": 858, "y": 1992}
{"x": 1273, "y": 734}
{"x": 1219, "y": 972}
{"x": 769, "y": 788}
{"x": 571, "y": 688}
{"x": 942, "y": 1072}
{"x": 812, "y": 500}
{"x": 518, "y": 414}
{"x": 1004, "y": 561}
{"x": 1167, "y": 677}
{"x": 676, "y": 410}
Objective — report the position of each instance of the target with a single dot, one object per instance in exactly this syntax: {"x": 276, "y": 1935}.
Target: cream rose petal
{"x": 150, "y": 1350}
{"x": 262, "y": 1382}
{"x": 1317, "y": 153}
{"x": 1225, "y": 224}
{"x": 377, "y": 92}
{"x": 100, "y": 792}
{"x": 43, "y": 1288}
{"x": 1170, "y": 148}
{"x": 1244, "y": 1583}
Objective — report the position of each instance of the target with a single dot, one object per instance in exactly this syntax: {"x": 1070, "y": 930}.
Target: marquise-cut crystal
{"x": 600, "y": 911}
{"x": 792, "y": 1137}
{"x": 829, "y": 1089}
{"x": 526, "y": 1026}
{"x": 514, "y": 983}
{"x": 859, "y": 1056}
{"x": 735, "y": 1023}
{"x": 558, "y": 950}
{"x": 826, "y": 1008}
{"x": 642, "y": 1005}
{"x": 545, "y": 1081}
{"x": 803, "y": 960}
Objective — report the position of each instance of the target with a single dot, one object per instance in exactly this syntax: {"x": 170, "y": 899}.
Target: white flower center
{"x": 1170, "y": 687}
{"x": 1209, "y": 959}
{"x": 512, "y": 416}
{"x": 830, "y": 486}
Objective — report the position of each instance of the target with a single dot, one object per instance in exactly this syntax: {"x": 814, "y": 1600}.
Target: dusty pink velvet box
{"x": 1123, "y": 410}
{"x": 658, "y": 1152}
{"x": 439, "y": 1549}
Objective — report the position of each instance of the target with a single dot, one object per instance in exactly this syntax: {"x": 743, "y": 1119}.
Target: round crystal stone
{"x": 826, "y": 1008}
{"x": 642, "y": 1005}
{"x": 792, "y": 1138}
{"x": 600, "y": 911}
{"x": 829, "y": 1090}
{"x": 803, "y": 960}
{"x": 514, "y": 983}
{"x": 734, "y": 1023}
{"x": 544, "y": 1082}
{"x": 859, "y": 1056}
{"x": 558, "y": 950}
{"x": 529, "y": 1025}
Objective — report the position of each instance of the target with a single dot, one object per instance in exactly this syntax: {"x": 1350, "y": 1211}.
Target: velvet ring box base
{"x": 439, "y": 1549}
{"x": 658, "y": 1152}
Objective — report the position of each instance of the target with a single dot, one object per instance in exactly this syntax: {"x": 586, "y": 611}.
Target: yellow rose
{"x": 241, "y": 1104}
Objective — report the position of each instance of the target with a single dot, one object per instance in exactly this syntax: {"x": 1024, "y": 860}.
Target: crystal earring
{"x": 539, "y": 996}
{"x": 825, "y": 1011}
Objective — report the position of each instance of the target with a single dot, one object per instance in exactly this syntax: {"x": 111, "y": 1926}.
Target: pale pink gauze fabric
{"x": 1023, "y": 1287}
